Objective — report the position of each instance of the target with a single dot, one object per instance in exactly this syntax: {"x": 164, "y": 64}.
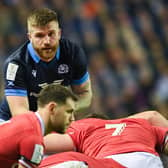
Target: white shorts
{"x": 70, "y": 164}
{"x": 138, "y": 160}
{"x": 1, "y": 120}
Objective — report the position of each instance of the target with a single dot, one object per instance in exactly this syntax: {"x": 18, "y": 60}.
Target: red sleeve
{"x": 77, "y": 131}
{"x": 161, "y": 134}
{"x": 31, "y": 150}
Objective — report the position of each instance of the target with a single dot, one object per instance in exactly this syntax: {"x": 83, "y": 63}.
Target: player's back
{"x": 100, "y": 138}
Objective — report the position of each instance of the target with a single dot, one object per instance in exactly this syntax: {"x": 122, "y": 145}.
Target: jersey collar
{"x": 41, "y": 122}
{"x": 34, "y": 55}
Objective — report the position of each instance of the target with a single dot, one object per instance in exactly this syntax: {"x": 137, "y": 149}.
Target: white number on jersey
{"x": 118, "y": 128}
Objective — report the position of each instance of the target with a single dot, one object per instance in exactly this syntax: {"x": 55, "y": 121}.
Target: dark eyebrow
{"x": 39, "y": 34}
{"x": 70, "y": 111}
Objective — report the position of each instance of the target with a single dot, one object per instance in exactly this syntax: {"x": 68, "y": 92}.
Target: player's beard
{"x": 47, "y": 53}
{"x": 61, "y": 129}
{"x": 58, "y": 128}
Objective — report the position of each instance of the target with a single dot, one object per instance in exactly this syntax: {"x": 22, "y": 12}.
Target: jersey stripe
{"x": 82, "y": 80}
{"x": 15, "y": 92}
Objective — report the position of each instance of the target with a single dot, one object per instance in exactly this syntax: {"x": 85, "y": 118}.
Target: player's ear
{"x": 59, "y": 33}
{"x": 52, "y": 107}
{"x": 29, "y": 36}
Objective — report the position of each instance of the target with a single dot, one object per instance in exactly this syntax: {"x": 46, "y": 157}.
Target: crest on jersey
{"x": 63, "y": 68}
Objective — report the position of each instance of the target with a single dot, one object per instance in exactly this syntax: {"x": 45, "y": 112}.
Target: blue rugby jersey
{"x": 26, "y": 74}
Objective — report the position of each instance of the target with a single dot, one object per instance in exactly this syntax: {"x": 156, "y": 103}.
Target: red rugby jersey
{"x": 21, "y": 140}
{"x": 100, "y": 138}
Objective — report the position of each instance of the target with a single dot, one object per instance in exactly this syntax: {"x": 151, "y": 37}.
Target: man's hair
{"x": 56, "y": 93}
{"x": 41, "y": 17}
{"x": 97, "y": 115}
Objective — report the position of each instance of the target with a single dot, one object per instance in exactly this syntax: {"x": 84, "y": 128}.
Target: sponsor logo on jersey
{"x": 34, "y": 94}
{"x": 34, "y": 73}
{"x": 37, "y": 154}
{"x": 63, "y": 68}
{"x": 10, "y": 83}
{"x": 43, "y": 85}
{"x": 11, "y": 71}
{"x": 58, "y": 81}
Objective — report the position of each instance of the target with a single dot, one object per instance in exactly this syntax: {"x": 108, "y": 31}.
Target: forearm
{"x": 84, "y": 101}
{"x": 84, "y": 93}
{"x": 18, "y": 105}
{"x": 85, "y": 98}
{"x": 56, "y": 143}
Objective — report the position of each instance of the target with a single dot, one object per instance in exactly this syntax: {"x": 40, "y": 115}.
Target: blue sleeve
{"x": 14, "y": 79}
{"x": 80, "y": 72}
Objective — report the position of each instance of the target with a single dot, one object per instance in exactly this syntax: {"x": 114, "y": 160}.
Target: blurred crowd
{"x": 125, "y": 42}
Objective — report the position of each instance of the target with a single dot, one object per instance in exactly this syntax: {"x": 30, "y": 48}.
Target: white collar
{"x": 41, "y": 122}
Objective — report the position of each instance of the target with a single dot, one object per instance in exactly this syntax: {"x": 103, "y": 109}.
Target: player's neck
{"x": 44, "y": 114}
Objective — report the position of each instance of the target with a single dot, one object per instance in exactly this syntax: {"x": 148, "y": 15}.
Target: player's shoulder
{"x": 69, "y": 45}
{"x": 67, "y": 42}
{"x": 71, "y": 50}
{"x": 18, "y": 55}
{"x": 87, "y": 122}
{"x": 26, "y": 119}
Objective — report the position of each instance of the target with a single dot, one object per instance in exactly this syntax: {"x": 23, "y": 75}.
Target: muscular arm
{"x": 154, "y": 117}
{"x": 55, "y": 143}
{"x": 84, "y": 92}
{"x": 18, "y": 104}
{"x": 16, "y": 87}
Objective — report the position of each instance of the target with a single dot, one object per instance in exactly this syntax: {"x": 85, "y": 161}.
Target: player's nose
{"x": 72, "y": 117}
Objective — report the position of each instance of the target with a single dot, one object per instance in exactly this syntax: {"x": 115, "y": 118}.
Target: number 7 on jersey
{"x": 119, "y": 128}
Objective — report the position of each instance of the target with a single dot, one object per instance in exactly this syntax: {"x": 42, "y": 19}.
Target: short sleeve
{"x": 161, "y": 133}
{"x": 31, "y": 150}
{"x": 77, "y": 132}
{"x": 80, "y": 72}
{"x": 14, "y": 79}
